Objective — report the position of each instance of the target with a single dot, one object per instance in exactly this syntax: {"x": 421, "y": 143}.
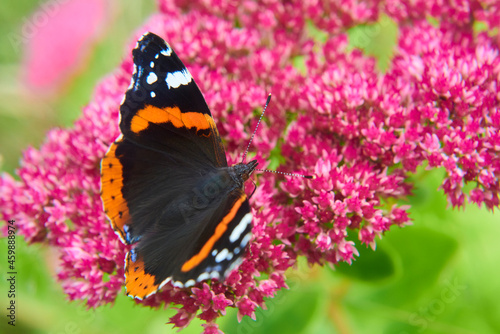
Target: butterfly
{"x": 166, "y": 186}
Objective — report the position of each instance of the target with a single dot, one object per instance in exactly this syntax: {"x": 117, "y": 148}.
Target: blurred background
{"x": 438, "y": 276}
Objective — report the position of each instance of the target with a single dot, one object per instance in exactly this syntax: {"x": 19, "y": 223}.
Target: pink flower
{"x": 361, "y": 132}
{"x": 211, "y": 328}
{"x": 58, "y": 37}
{"x": 246, "y": 307}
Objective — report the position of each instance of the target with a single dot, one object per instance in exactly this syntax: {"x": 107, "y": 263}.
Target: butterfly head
{"x": 242, "y": 171}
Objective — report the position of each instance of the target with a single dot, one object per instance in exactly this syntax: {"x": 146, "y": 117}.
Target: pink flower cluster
{"x": 361, "y": 132}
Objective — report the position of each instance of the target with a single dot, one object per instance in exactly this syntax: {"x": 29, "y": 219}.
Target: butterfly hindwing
{"x": 218, "y": 249}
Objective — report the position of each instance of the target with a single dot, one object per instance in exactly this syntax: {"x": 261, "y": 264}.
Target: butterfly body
{"x": 165, "y": 183}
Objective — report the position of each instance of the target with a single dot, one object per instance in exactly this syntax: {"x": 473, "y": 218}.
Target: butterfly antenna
{"x": 267, "y": 170}
{"x": 288, "y": 174}
{"x": 256, "y": 127}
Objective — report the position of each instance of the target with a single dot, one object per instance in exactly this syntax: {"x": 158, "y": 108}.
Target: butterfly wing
{"x": 163, "y": 98}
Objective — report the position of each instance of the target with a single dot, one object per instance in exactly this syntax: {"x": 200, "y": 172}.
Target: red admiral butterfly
{"x": 165, "y": 183}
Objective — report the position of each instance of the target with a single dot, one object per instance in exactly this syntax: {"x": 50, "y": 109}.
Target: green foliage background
{"x": 438, "y": 276}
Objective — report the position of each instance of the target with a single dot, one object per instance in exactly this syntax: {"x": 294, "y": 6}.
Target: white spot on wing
{"x": 153, "y": 94}
{"x": 167, "y": 52}
{"x": 152, "y": 64}
{"x": 235, "y": 235}
{"x": 189, "y": 283}
{"x": 222, "y": 255}
{"x": 203, "y": 277}
{"x": 151, "y": 78}
{"x": 245, "y": 240}
{"x": 175, "y": 79}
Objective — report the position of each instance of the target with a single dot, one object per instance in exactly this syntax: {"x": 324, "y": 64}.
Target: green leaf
{"x": 377, "y": 40}
{"x": 370, "y": 266}
{"x": 422, "y": 254}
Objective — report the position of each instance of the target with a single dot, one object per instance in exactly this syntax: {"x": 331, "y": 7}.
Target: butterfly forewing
{"x": 163, "y": 98}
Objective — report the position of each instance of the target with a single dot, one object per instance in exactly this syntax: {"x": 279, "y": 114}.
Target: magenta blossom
{"x": 57, "y": 39}
{"x": 361, "y": 132}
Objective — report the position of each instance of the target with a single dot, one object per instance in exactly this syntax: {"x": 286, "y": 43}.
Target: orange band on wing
{"x": 173, "y": 115}
{"x": 219, "y": 231}
{"x": 115, "y": 205}
{"x": 197, "y": 120}
{"x": 138, "y": 283}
